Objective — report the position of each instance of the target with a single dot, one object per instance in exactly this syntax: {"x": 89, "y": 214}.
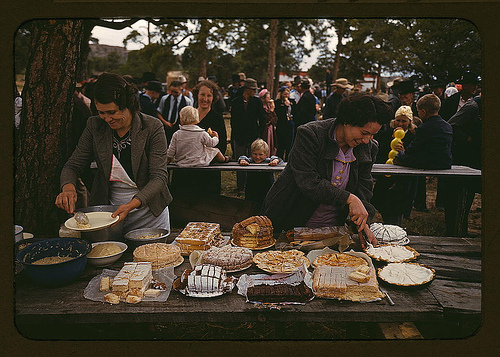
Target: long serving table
{"x": 450, "y": 307}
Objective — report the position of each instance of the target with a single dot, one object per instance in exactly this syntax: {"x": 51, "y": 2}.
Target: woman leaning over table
{"x": 206, "y": 93}
{"x": 130, "y": 150}
{"x": 328, "y": 175}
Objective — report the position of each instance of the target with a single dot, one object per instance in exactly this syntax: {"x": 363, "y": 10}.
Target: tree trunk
{"x": 271, "y": 63}
{"x": 42, "y": 142}
{"x": 202, "y": 48}
{"x": 340, "y": 36}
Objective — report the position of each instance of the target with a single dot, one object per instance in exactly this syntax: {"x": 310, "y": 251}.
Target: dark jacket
{"x": 431, "y": 148}
{"x": 215, "y": 121}
{"x": 247, "y": 124}
{"x": 147, "y": 106}
{"x": 332, "y": 104}
{"x": 149, "y": 161}
{"x": 384, "y": 138}
{"x": 450, "y": 106}
{"x": 306, "y": 180}
{"x": 305, "y": 110}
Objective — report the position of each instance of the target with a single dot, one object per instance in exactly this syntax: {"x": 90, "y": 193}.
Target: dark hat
{"x": 235, "y": 78}
{"x": 148, "y": 76}
{"x": 212, "y": 78}
{"x": 469, "y": 78}
{"x": 250, "y": 83}
{"x": 405, "y": 87}
{"x": 282, "y": 89}
{"x": 154, "y": 85}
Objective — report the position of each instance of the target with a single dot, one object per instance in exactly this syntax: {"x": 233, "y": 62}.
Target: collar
{"x": 346, "y": 157}
{"x": 191, "y": 127}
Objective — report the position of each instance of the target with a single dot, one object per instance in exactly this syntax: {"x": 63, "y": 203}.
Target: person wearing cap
{"x": 305, "y": 109}
{"x": 148, "y": 100}
{"x": 470, "y": 82}
{"x": 393, "y": 95}
{"x": 328, "y": 175}
{"x": 340, "y": 92}
{"x": 185, "y": 91}
{"x": 169, "y": 107}
{"x": 437, "y": 87}
{"x": 248, "y": 121}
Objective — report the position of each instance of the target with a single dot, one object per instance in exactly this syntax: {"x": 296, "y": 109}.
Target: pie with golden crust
{"x": 339, "y": 259}
{"x": 275, "y": 261}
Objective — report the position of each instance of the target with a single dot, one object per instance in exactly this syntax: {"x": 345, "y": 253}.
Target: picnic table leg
{"x": 457, "y": 204}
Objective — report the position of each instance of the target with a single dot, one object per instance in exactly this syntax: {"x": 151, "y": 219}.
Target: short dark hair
{"x": 209, "y": 84}
{"x": 359, "y": 108}
{"x": 113, "y": 88}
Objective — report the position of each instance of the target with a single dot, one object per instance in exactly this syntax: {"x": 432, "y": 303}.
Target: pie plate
{"x": 406, "y": 274}
{"x": 394, "y": 253}
{"x": 261, "y": 248}
{"x": 97, "y": 220}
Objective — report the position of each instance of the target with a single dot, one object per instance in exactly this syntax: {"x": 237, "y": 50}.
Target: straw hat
{"x": 343, "y": 83}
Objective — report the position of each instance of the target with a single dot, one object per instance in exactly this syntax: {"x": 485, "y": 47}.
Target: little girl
{"x": 191, "y": 145}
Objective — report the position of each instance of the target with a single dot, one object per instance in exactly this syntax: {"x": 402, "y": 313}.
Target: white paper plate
{"x": 97, "y": 220}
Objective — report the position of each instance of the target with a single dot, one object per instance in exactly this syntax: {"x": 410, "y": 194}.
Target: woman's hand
{"x": 243, "y": 162}
{"x": 274, "y": 162}
{"x": 67, "y": 198}
{"x": 371, "y": 238}
{"x": 123, "y": 210}
{"x": 357, "y": 212}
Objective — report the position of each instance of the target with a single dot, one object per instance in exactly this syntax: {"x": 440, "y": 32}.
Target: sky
{"x": 115, "y": 38}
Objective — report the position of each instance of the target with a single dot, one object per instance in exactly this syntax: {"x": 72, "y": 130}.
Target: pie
{"x": 339, "y": 259}
{"x": 275, "y": 261}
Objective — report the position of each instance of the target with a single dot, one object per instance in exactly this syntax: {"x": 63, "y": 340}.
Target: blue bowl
{"x": 59, "y": 273}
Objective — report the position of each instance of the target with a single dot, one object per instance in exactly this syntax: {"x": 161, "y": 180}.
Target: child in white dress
{"x": 191, "y": 145}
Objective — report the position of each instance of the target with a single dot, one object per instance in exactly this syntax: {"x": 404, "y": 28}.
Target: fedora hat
{"x": 154, "y": 85}
{"x": 405, "y": 87}
{"x": 438, "y": 83}
{"x": 250, "y": 83}
{"x": 469, "y": 78}
{"x": 343, "y": 83}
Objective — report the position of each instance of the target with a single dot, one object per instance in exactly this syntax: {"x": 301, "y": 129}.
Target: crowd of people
{"x": 330, "y": 135}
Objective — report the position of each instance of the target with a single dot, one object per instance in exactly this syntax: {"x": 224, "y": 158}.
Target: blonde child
{"x": 191, "y": 145}
{"x": 258, "y": 182}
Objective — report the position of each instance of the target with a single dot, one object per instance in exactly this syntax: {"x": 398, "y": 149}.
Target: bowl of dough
{"x": 106, "y": 253}
{"x": 55, "y": 261}
{"x": 142, "y": 236}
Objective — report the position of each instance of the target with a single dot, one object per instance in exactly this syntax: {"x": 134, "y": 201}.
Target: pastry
{"x": 392, "y": 253}
{"x": 339, "y": 259}
{"x": 280, "y": 262}
{"x": 255, "y": 232}
{"x": 406, "y": 274}
{"x": 197, "y": 236}
{"x": 279, "y": 293}
{"x": 389, "y": 234}
{"x": 228, "y": 257}
{"x": 112, "y": 298}
{"x": 315, "y": 234}
{"x": 132, "y": 279}
{"x": 159, "y": 254}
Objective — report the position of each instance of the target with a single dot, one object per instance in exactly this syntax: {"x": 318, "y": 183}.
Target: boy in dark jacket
{"x": 431, "y": 148}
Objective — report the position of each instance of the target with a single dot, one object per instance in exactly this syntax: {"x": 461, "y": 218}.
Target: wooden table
{"x": 452, "y": 299}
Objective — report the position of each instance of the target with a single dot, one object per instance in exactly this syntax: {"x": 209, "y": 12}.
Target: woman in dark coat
{"x": 328, "y": 175}
{"x": 285, "y": 126}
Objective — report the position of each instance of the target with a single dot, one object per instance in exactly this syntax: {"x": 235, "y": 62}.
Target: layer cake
{"x": 255, "y": 232}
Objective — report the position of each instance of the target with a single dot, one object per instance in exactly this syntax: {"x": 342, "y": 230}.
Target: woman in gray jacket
{"x": 328, "y": 175}
{"x": 130, "y": 150}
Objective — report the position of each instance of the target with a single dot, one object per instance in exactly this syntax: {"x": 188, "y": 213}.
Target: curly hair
{"x": 189, "y": 116}
{"x": 210, "y": 85}
{"x": 113, "y": 88}
{"x": 359, "y": 108}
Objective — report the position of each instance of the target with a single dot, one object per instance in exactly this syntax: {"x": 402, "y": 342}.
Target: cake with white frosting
{"x": 390, "y": 234}
{"x": 391, "y": 253}
{"x": 406, "y": 274}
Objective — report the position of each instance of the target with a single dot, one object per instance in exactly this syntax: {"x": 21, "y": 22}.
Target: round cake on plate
{"x": 391, "y": 253}
{"x": 159, "y": 254}
{"x": 229, "y": 258}
{"x": 406, "y": 274}
{"x": 255, "y": 232}
{"x": 389, "y": 234}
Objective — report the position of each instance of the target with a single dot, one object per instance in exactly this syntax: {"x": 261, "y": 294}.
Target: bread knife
{"x": 389, "y": 300}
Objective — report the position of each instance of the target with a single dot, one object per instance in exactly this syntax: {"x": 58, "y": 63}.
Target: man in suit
{"x": 149, "y": 100}
{"x": 305, "y": 110}
{"x": 470, "y": 82}
{"x": 332, "y": 103}
{"x": 170, "y": 106}
{"x": 247, "y": 123}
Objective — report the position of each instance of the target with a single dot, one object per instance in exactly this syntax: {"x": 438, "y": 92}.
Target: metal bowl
{"x": 113, "y": 233}
{"x": 133, "y": 238}
{"x": 109, "y": 259}
{"x": 59, "y": 273}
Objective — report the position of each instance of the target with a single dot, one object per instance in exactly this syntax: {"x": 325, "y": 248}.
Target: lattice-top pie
{"x": 280, "y": 262}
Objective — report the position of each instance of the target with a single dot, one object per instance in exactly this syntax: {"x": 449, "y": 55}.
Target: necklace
{"x": 121, "y": 143}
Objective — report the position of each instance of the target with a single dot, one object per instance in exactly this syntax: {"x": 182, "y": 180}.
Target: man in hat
{"x": 235, "y": 89}
{"x": 169, "y": 107}
{"x": 305, "y": 109}
{"x": 406, "y": 93}
{"x": 340, "y": 92}
{"x": 470, "y": 82}
{"x": 393, "y": 95}
{"x": 220, "y": 105}
{"x": 247, "y": 123}
{"x": 146, "y": 77}
{"x": 149, "y": 100}
{"x": 437, "y": 87}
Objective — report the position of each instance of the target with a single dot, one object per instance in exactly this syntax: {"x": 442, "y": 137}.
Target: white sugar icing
{"x": 390, "y": 253}
{"x": 388, "y": 232}
{"x": 405, "y": 274}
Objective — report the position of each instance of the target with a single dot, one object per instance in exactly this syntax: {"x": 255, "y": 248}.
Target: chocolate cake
{"x": 279, "y": 293}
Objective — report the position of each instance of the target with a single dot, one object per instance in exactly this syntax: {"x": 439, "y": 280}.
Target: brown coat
{"x": 149, "y": 161}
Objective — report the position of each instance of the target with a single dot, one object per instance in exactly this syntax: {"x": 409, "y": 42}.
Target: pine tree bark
{"x": 271, "y": 63}
{"x": 42, "y": 141}
{"x": 340, "y": 36}
{"x": 202, "y": 48}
